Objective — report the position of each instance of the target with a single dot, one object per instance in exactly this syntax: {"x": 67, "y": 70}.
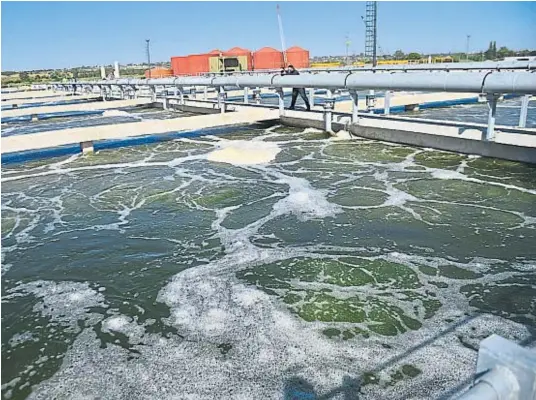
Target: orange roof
{"x": 267, "y": 50}
{"x": 215, "y": 51}
{"x": 295, "y": 48}
{"x": 238, "y": 50}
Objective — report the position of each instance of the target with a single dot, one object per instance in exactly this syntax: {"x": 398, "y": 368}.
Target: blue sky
{"x": 67, "y": 34}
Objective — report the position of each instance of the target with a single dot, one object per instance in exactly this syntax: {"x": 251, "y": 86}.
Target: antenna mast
{"x": 282, "y": 36}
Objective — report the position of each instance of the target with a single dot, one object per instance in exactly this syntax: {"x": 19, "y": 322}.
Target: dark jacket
{"x": 287, "y": 72}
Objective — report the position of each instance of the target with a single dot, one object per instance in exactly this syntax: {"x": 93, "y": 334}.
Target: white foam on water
{"x": 124, "y": 325}
{"x": 243, "y": 152}
{"x": 63, "y": 302}
{"x": 22, "y": 337}
{"x": 312, "y": 130}
{"x": 264, "y": 343}
{"x": 343, "y": 135}
{"x": 304, "y": 201}
{"x": 119, "y": 113}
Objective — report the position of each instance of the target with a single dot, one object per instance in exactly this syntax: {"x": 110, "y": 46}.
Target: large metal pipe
{"x": 520, "y": 82}
{"x": 467, "y": 66}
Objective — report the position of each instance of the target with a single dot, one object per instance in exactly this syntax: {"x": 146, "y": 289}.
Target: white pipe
{"x": 521, "y": 82}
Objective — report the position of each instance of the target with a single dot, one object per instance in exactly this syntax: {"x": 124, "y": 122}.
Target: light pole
{"x": 148, "y": 50}
{"x": 467, "y": 48}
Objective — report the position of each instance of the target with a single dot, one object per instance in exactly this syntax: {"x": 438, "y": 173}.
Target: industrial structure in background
{"x": 371, "y": 33}
{"x": 232, "y": 60}
{"x": 236, "y": 59}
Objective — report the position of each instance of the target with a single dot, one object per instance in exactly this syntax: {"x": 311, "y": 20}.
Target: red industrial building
{"x": 298, "y": 57}
{"x": 238, "y": 59}
{"x": 158, "y": 72}
{"x": 267, "y": 58}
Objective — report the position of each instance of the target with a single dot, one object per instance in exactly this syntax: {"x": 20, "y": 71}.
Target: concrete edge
{"x": 440, "y": 142}
{"x": 70, "y": 149}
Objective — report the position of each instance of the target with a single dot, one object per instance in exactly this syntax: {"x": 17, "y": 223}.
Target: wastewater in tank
{"x": 332, "y": 268}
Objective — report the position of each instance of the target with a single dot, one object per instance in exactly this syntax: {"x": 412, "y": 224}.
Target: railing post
{"x": 355, "y": 106}
{"x": 153, "y": 93}
{"x": 524, "y": 111}
{"x": 387, "y": 102}
{"x": 181, "y": 95}
{"x": 492, "y": 104}
{"x": 281, "y": 101}
{"x": 246, "y": 95}
{"x": 205, "y": 96}
{"x": 122, "y": 91}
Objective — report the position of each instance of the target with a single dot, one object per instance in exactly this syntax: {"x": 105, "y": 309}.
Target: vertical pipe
{"x": 181, "y": 96}
{"x": 102, "y": 72}
{"x": 387, "y": 103}
{"x": 205, "y": 93}
{"x": 492, "y": 104}
{"x": 355, "y": 105}
{"x": 524, "y": 111}
{"x": 246, "y": 95}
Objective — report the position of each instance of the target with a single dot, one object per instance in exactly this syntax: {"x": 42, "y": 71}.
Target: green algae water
{"x": 342, "y": 269}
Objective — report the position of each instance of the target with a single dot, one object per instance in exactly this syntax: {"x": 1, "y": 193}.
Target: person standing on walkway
{"x": 295, "y": 92}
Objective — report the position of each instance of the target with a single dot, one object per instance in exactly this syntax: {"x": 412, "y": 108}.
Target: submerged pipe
{"x": 521, "y": 82}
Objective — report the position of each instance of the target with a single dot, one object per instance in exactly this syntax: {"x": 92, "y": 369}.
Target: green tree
{"x": 399, "y": 55}
{"x": 494, "y": 49}
{"x": 24, "y": 76}
{"x": 489, "y": 52}
{"x": 414, "y": 56}
{"x": 504, "y": 52}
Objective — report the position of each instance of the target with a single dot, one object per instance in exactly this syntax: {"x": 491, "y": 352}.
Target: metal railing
{"x": 493, "y": 84}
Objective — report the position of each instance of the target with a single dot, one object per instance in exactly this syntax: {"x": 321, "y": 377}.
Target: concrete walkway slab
{"x": 101, "y": 105}
{"x": 30, "y": 94}
{"x": 49, "y": 99}
{"x": 56, "y": 138}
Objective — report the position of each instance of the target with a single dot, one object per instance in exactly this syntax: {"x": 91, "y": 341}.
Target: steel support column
{"x": 257, "y": 95}
{"x": 328, "y": 114}
{"x": 221, "y": 99}
{"x": 246, "y": 95}
{"x": 281, "y": 101}
{"x": 492, "y": 104}
{"x": 355, "y": 105}
{"x": 387, "y": 103}
{"x": 312, "y": 97}
{"x": 524, "y": 111}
